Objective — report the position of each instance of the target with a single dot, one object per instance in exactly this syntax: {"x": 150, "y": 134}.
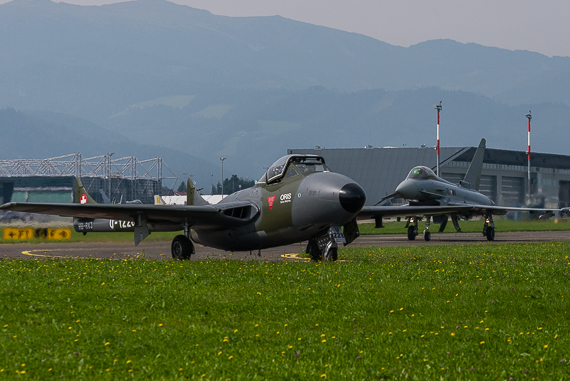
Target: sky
{"x": 541, "y": 27}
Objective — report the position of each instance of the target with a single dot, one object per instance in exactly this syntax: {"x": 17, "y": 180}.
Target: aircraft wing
{"x": 226, "y": 215}
{"x": 500, "y": 210}
{"x": 369, "y": 212}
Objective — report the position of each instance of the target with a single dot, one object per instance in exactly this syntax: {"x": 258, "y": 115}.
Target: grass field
{"x": 446, "y": 312}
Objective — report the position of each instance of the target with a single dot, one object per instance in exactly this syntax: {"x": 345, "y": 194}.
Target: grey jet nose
{"x": 408, "y": 189}
{"x": 352, "y": 197}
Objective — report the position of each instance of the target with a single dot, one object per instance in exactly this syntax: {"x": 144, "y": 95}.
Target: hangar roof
{"x": 380, "y": 170}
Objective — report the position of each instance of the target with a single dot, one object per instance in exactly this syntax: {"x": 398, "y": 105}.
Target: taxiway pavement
{"x": 161, "y": 250}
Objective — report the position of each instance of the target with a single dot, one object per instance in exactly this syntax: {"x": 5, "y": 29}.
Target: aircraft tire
{"x": 313, "y": 250}
{"x": 181, "y": 248}
{"x": 333, "y": 254}
{"x": 427, "y": 236}
{"x": 490, "y": 233}
{"x": 411, "y": 233}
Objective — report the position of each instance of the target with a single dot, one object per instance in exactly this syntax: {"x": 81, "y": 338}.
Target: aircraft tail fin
{"x": 472, "y": 178}
{"x": 81, "y": 195}
{"x": 192, "y": 195}
{"x": 105, "y": 198}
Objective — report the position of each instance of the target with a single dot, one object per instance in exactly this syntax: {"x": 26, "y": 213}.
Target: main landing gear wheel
{"x": 412, "y": 233}
{"x": 427, "y": 236}
{"x": 490, "y": 233}
{"x": 182, "y": 248}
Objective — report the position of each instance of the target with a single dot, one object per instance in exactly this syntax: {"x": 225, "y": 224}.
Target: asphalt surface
{"x": 161, "y": 250}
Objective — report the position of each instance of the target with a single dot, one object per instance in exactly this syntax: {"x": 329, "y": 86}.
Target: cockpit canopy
{"x": 421, "y": 173}
{"x": 292, "y": 165}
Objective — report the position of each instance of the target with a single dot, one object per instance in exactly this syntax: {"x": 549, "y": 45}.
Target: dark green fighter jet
{"x": 298, "y": 199}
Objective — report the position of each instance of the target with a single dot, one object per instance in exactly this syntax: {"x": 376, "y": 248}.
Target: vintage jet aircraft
{"x": 298, "y": 199}
{"x": 422, "y": 188}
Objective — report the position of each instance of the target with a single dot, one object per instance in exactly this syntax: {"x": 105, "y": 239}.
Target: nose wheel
{"x": 412, "y": 226}
{"x": 489, "y": 228}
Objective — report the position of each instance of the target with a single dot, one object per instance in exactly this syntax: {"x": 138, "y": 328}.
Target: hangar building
{"x": 504, "y": 176}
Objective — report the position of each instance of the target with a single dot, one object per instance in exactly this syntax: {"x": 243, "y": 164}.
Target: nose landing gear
{"x": 325, "y": 247}
{"x": 489, "y": 228}
{"x": 412, "y": 226}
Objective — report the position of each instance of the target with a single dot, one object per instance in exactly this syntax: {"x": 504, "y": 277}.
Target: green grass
{"x": 450, "y": 312}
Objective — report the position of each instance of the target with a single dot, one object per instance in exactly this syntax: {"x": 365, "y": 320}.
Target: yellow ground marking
{"x": 295, "y": 256}
{"x": 29, "y": 252}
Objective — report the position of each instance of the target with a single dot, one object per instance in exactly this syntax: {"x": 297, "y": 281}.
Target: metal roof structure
{"x": 74, "y": 164}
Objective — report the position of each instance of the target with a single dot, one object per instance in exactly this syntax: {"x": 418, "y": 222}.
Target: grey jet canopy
{"x": 291, "y": 165}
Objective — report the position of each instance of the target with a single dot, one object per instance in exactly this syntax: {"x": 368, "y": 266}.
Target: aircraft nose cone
{"x": 352, "y": 197}
{"x": 407, "y": 189}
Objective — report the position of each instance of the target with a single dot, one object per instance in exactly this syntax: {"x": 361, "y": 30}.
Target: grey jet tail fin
{"x": 192, "y": 195}
{"x": 472, "y": 178}
{"x": 106, "y": 199}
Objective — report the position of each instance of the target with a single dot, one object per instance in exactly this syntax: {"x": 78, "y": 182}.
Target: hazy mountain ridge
{"x": 248, "y": 88}
{"x": 42, "y": 135}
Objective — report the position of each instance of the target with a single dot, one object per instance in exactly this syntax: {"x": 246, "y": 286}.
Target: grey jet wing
{"x": 370, "y": 212}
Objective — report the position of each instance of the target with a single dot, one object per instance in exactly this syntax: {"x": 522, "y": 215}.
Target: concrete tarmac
{"x": 161, "y": 250}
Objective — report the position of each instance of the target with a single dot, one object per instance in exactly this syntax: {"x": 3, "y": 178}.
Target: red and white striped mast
{"x": 529, "y": 117}
{"x": 438, "y": 108}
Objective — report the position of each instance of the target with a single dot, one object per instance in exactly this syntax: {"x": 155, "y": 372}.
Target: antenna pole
{"x": 529, "y": 117}
{"x": 438, "y": 108}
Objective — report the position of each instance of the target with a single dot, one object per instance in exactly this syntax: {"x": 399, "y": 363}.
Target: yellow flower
{"x": 482, "y": 342}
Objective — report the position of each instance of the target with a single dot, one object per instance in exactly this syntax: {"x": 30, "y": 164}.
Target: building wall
{"x": 6, "y": 190}
{"x": 504, "y": 177}
{"x": 62, "y": 189}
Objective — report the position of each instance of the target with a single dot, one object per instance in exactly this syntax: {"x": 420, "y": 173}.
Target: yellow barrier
{"x": 42, "y": 233}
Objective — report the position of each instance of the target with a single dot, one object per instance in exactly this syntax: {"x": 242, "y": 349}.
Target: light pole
{"x": 438, "y": 108}
{"x": 109, "y": 154}
{"x": 222, "y": 159}
{"x": 529, "y": 117}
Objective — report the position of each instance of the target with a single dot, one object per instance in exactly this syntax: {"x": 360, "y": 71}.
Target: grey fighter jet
{"x": 423, "y": 188}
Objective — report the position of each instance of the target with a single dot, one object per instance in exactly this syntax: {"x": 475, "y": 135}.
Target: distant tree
{"x": 166, "y": 191}
{"x": 182, "y": 187}
{"x": 235, "y": 183}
